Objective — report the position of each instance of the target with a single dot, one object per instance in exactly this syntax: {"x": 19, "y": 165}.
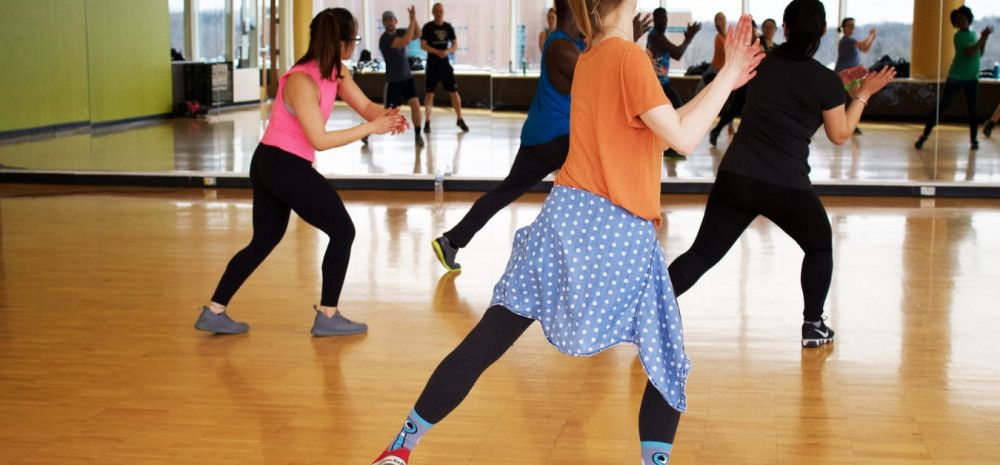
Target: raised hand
{"x": 412, "y": 10}
{"x": 641, "y": 25}
{"x": 987, "y": 31}
{"x": 743, "y": 52}
{"x": 849, "y": 75}
{"x": 692, "y": 30}
{"x": 874, "y": 82}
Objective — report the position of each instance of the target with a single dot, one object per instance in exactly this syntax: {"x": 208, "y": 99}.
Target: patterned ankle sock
{"x": 656, "y": 453}
{"x": 413, "y": 429}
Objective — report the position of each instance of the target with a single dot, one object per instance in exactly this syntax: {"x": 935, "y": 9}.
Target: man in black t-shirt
{"x": 435, "y": 39}
{"x": 400, "y": 87}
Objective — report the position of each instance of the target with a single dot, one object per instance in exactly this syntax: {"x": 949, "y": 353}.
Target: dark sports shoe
{"x": 219, "y": 323}
{"x": 857, "y": 131}
{"x": 364, "y": 140}
{"x": 988, "y": 128}
{"x": 672, "y": 154}
{"x": 815, "y": 336}
{"x": 335, "y": 325}
{"x": 427, "y": 126}
{"x": 462, "y": 126}
{"x": 920, "y": 143}
{"x": 419, "y": 140}
{"x": 446, "y": 253}
{"x": 975, "y": 145}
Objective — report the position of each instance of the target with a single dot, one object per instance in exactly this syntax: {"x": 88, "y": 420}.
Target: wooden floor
{"x": 99, "y": 363}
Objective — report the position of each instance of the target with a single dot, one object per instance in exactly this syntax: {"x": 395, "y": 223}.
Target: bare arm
{"x": 677, "y": 51}
{"x": 560, "y": 62}
{"x": 866, "y": 45}
{"x": 683, "y": 129}
{"x": 454, "y": 46}
{"x": 840, "y": 122}
{"x": 541, "y": 41}
{"x": 302, "y": 95}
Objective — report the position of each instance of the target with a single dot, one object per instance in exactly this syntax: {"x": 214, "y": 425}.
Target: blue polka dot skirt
{"x": 594, "y": 275}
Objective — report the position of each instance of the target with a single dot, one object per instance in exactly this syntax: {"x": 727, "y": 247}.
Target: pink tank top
{"x": 283, "y": 129}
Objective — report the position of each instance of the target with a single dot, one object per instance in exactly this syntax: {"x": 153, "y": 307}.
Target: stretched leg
{"x": 312, "y": 197}
{"x": 531, "y": 165}
{"x": 951, "y": 88}
{"x": 414, "y": 104}
{"x": 972, "y": 109}
{"x": 988, "y": 128}
{"x": 801, "y": 215}
{"x": 270, "y": 220}
{"x": 429, "y": 109}
{"x": 729, "y": 211}
{"x": 657, "y": 426}
{"x": 996, "y": 115}
{"x": 455, "y": 376}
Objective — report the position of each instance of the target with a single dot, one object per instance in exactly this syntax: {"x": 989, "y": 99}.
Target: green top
{"x": 965, "y": 67}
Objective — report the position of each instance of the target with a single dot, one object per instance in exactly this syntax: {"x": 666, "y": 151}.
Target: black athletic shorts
{"x": 398, "y": 93}
{"x": 444, "y": 75}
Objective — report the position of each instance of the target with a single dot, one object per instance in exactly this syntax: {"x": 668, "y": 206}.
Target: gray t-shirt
{"x": 848, "y": 55}
{"x": 784, "y": 108}
{"x": 397, "y": 67}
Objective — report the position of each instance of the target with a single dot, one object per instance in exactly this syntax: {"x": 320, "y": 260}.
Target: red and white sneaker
{"x": 395, "y": 457}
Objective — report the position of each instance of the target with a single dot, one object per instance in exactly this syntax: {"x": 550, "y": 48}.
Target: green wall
{"x": 129, "y": 54}
{"x": 44, "y": 55}
{"x": 71, "y": 61}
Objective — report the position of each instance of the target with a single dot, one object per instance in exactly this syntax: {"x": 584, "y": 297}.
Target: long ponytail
{"x": 327, "y": 32}
{"x": 805, "y": 23}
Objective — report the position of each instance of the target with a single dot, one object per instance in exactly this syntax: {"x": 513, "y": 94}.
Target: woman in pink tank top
{"x": 284, "y": 179}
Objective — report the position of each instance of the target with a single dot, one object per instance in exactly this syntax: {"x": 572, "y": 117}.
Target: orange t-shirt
{"x": 719, "y": 58}
{"x": 611, "y": 151}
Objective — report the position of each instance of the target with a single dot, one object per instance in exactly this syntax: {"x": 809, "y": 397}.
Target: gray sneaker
{"x": 219, "y": 323}
{"x": 446, "y": 253}
{"x": 335, "y": 325}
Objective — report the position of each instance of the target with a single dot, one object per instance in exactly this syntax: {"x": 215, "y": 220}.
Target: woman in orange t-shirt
{"x": 589, "y": 269}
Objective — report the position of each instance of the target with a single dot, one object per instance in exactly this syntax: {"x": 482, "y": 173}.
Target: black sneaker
{"x": 988, "y": 128}
{"x": 920, "y": 143}
{"x": 975, "y": 145}
{"x": 672, "y": 154}
{"x": 419, "y": 140}
{"x": 857, "y": 131}
{"x": 364, "y": 140}
{"x": 813, "y": 336}
{"x": 427, "y": 127}
{"x": 462, "y": 126}
{"x": 446, "y": 253}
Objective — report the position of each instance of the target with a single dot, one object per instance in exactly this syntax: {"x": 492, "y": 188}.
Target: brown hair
{"x": 588, "y": 14}
{"x": 327, "y": 31}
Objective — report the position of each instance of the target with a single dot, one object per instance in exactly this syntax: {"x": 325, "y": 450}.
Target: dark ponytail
{"x": 843, "y": 24}
{"x": 805, "y": 23}
{"x": 327, "y": 32}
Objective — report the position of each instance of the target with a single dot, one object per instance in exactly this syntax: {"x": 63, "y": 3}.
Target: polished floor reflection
{"x": 224, "y": 142}
{"x": 99, "y": 362}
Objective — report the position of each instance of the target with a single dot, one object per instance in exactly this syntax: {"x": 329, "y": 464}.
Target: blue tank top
{"x": 548, "y": 116}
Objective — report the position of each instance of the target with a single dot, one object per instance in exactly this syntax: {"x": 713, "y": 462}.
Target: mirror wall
{"x": 108, "y": 117}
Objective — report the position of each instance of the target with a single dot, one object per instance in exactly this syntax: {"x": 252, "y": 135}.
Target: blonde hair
{"x": 588, "y": 15}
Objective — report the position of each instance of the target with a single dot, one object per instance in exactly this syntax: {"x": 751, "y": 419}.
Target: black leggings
{"x": 283, "y": 182}
{"x": 732, "y": 109}
{"x": 531, "y": 165}
{"x": 492, "y": 336}
{"x": 672, "y": 95}
{"x": 733, "y": 203}
{"x": 951, "y": 88}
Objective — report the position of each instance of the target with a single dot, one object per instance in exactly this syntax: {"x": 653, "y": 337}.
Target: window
{"x": 893, "y": 22}
{"x": 987, "y": 12}
{"x": 703, "y": 46}
{"x": 366, "y": 27}
{"x": 482, "y": 28}
{"x": 531, "y": 21}
{"x": 211, "y": 30}
{"x": 178, "y": 26}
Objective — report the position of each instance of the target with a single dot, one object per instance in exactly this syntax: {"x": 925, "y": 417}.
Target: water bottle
{"x": 524, "y": 67}
{"x": 996, "y": 70}
{"x": 438, "y": 181}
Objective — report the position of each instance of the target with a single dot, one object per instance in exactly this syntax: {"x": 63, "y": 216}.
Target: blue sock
{"x": 655, "y": 453}
{"x": 413, "y": 429}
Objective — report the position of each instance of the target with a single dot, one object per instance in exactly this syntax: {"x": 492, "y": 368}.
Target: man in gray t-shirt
{"x": 400, "y": 87}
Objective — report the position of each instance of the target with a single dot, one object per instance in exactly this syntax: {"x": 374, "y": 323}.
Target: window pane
{"x": 367, "y": 30}
{"x": 212, "y": 30}
{"x": 680, "y": 12}
{"x": 531, "y": 21}
{"x": 987, "y": 12}
{"x": 178, "y": 20}
{"x": 775, "y": 9}
{"x": 893, "y": 21}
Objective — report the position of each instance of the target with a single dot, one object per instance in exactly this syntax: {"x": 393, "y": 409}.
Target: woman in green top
{"x": 964, "y": 73}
